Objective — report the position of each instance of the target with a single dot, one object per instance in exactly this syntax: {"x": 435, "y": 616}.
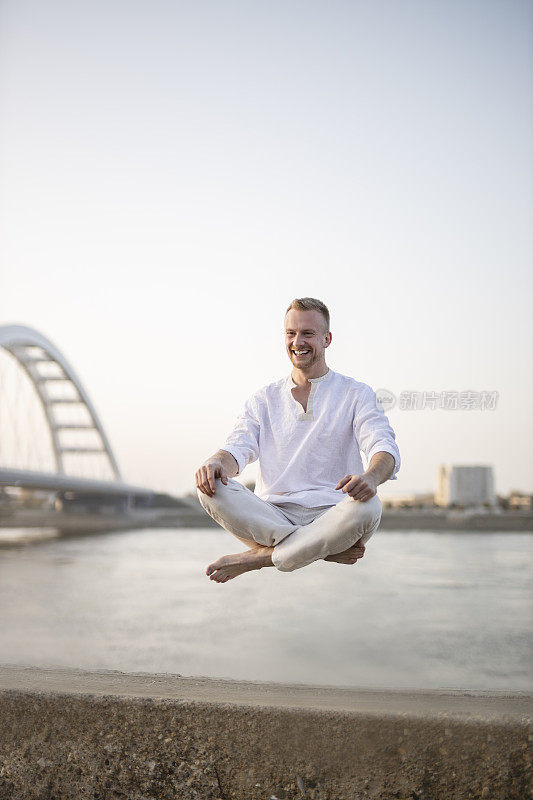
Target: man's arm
{"x": 381, "y": 467}
{"x": 374, "y": 434}
{"x": 240, "y": 448}
{"x": 377, "y": 439}
{"x": 220, "y": 465}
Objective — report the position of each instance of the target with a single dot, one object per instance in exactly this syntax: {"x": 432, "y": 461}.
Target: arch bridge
{"x": 53, "y": 445}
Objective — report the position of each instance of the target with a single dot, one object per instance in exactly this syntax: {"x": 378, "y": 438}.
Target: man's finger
{"x": 205, "y": 482}
{"x": 200, "y": 485}
{"x": 352, "y": 485}
{"x": 346, "y": 480}
{"x": 201, "y": 481}
{"x": 206, "y": 490}
{"x": 362, "y": 492}
{"x": 223, "y": 477}
{"x": 211, "y": 479}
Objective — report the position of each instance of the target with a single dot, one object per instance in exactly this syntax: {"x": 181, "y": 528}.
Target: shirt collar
{"x": 311, "y": 380}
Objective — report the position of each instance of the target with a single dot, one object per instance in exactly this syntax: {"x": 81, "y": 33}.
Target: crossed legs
{"x": 338, "y": 534}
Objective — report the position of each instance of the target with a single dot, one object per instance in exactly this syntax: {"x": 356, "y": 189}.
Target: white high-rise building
{"x": 465, "y": 485}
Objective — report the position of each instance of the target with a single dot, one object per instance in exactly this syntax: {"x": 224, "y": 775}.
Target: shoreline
{"x": 397, "y": 520}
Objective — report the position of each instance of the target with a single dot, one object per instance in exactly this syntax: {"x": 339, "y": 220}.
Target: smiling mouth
{"x": 300, "y": 352}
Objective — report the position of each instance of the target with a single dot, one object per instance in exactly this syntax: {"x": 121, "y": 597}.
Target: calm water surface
{"x": 426, "y": 610}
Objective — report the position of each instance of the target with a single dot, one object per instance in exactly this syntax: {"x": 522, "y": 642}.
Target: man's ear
{"x": 329, "y": 337}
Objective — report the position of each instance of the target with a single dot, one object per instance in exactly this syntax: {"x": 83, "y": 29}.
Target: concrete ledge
{"x": 73, "y": 734}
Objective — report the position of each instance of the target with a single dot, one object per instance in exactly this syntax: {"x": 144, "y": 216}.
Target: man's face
{"x": 305, "y": 337}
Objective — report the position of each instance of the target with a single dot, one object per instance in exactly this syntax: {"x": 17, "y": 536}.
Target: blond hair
{"x": 310, "y": 304}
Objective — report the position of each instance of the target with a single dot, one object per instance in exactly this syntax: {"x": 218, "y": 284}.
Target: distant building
{"x": 465, "y": 486}
{"x": 518, "y": 501}
{"x": 426, "y": 500}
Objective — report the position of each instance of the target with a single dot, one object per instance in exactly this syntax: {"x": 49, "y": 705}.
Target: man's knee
{"x": 245, "y": 515}
{"x": 203, "y": 498}
{"x": 365, "y": 515}
{"x": 220, "y": 506}
{"x": 223, "y": 492}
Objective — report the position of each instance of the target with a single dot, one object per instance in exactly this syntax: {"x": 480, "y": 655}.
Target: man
{"x": 312, "y": 499}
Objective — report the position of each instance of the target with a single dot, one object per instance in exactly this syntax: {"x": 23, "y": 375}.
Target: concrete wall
{"x": 76, "y": 735}
{"x": 408, "y": 520}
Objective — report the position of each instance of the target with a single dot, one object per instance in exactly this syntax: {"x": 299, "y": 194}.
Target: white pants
{"x": 299, "y": 535}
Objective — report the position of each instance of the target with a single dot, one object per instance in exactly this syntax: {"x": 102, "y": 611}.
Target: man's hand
{"x": 207, "y": 474}
{"x": 360, "y": 487}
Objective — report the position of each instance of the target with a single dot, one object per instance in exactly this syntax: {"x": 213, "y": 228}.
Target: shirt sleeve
{"x": 373, "y": 431}
{"x": 243, "y": 441}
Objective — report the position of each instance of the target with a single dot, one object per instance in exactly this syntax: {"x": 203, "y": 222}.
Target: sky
{"x": 174, "y": 174}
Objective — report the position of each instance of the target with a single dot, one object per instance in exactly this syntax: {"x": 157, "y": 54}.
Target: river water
{"x": 421, "y": 610}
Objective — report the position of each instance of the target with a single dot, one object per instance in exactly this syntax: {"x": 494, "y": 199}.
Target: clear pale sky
{"x": 173, "y": 174}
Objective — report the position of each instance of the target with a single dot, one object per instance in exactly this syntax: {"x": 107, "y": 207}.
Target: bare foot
{"x": 349, "y": 556}
{"x": 228, "y": 567}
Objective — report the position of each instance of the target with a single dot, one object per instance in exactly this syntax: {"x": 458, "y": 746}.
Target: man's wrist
{"x": 228, "y": 462}
{"x": 383, "y": 465}
{"x": 372, "y": 479}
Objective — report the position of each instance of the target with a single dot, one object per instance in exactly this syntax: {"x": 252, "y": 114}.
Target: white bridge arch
{"x": 48, "y": 369}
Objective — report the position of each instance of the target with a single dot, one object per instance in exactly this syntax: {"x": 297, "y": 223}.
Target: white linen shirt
{"x": 304, "y": 454}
